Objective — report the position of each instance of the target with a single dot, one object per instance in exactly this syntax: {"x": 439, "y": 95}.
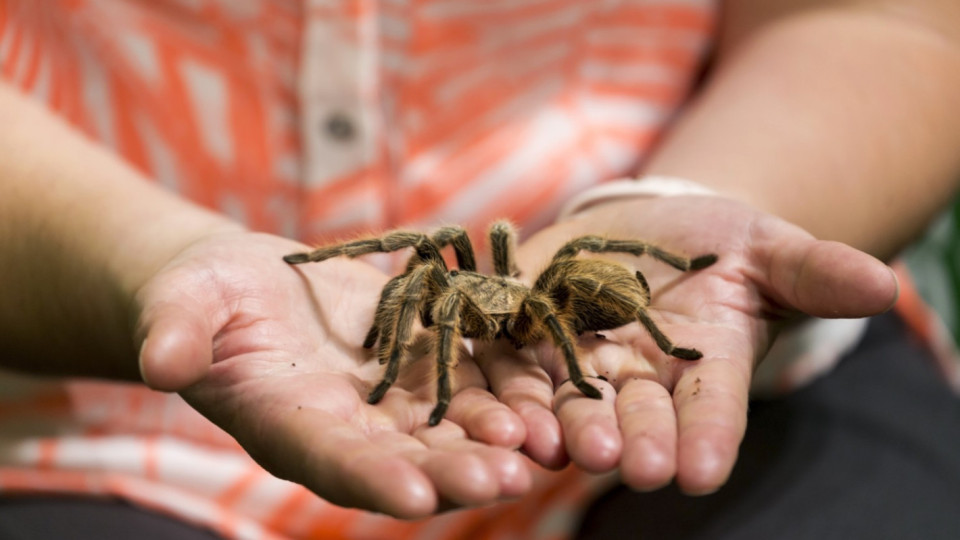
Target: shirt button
{"x": 340, "y": 127}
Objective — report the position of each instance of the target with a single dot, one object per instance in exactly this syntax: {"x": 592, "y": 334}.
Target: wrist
{"x": 147, "y": 242}
{"x": 80, "y": 234}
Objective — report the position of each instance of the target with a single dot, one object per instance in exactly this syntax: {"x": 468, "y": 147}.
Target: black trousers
{"x": 871, "y": 451}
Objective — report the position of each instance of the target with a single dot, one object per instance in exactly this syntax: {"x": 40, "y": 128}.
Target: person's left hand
{"x": 661, "y": 417}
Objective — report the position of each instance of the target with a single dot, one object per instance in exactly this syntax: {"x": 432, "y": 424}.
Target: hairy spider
{"x": 569, "y": 297}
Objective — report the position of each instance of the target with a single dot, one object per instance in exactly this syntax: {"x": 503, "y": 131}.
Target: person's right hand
{"x": 272, "y": 354}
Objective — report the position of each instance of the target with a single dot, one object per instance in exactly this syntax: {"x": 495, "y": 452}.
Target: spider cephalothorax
{"x": 569, "y": 297}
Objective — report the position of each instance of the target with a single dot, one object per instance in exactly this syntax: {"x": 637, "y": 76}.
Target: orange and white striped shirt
{"x": 318, "y": 118}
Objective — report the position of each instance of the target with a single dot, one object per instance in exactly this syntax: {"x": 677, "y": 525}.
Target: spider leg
{"x": 659, "y": 337}
{"x": 386, "y": 333}
{"x": 380, "y": 316}
{"x": 663, "y": 342}
{"x": 540, "y": 308}
{"x": 392, "y": 350}
{"x": 503, "y": 241}
{"x": 371, "y": 338}
{"x": 644, "y": 288}
{"x": 448, "y": 333}
{"x": 457, "y": 236}
{"x": 599, "y": 244}
{"x": 425, "y": 248}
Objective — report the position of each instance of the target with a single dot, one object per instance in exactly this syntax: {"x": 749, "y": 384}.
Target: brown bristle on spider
{"x": 569, "y": 297}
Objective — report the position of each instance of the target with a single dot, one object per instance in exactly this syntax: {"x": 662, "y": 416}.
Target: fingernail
{"x": 896, "y": 282}
{"x": 140, "y": 367}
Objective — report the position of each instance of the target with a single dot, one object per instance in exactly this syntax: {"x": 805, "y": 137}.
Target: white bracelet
{"x": 646, "y": 186}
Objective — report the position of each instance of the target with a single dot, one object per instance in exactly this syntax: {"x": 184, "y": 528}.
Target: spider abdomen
{"x": 600, "y": 295}
{"x": 604, "y": 314}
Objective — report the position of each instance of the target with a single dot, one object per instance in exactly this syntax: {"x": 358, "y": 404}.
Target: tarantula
{"x": 569, "y": 297}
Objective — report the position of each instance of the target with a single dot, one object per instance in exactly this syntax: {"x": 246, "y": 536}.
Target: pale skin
{"x": 663, "y": 418}
{"x": 115, "y": 278}
{"x": 837, "y": 116}
{"x": 190, "y": 302}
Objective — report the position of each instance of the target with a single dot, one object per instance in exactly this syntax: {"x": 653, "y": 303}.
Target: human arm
{"x": 80, "y": 232}
{"x": 835, "y": 116}
{"x": 100, "y": 267}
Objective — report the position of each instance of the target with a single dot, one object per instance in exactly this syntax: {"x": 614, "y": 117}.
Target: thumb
{"x": 177, "y": 347}
{"x": 831, "y": 280}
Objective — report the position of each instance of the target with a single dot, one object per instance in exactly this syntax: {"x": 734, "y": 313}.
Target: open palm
{"x": 276, "y": 350}
{"x": 662, "y": 417}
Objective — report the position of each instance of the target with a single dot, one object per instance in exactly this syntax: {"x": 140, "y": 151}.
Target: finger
{"x": 459, "y": 478}
{"x": 178, "y": 346}
{"x": 590, "y": 426}
{"x": 829, "y": 279}
{"x": 475, "y": 410}
{"x": 649, "y": 429}
{"x": 485, "y": 419}
{"x": 518, "y": 381}
{"x": 711, "y": 403}
{"x": 511, "y": 476}
{"x": 342, "y": 465}
{"x": 464, "y": 474}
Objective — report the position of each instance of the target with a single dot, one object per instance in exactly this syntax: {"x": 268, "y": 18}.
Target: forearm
{"x": 839, "y": 118}
{"x": 79, "y": 232}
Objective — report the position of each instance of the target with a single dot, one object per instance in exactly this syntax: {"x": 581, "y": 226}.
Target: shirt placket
{"x": 338, "y": 97}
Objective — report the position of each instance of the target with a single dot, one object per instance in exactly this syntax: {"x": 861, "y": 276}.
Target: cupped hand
{"x": 272, "y": 354}
{"x": 663, "y": 418}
